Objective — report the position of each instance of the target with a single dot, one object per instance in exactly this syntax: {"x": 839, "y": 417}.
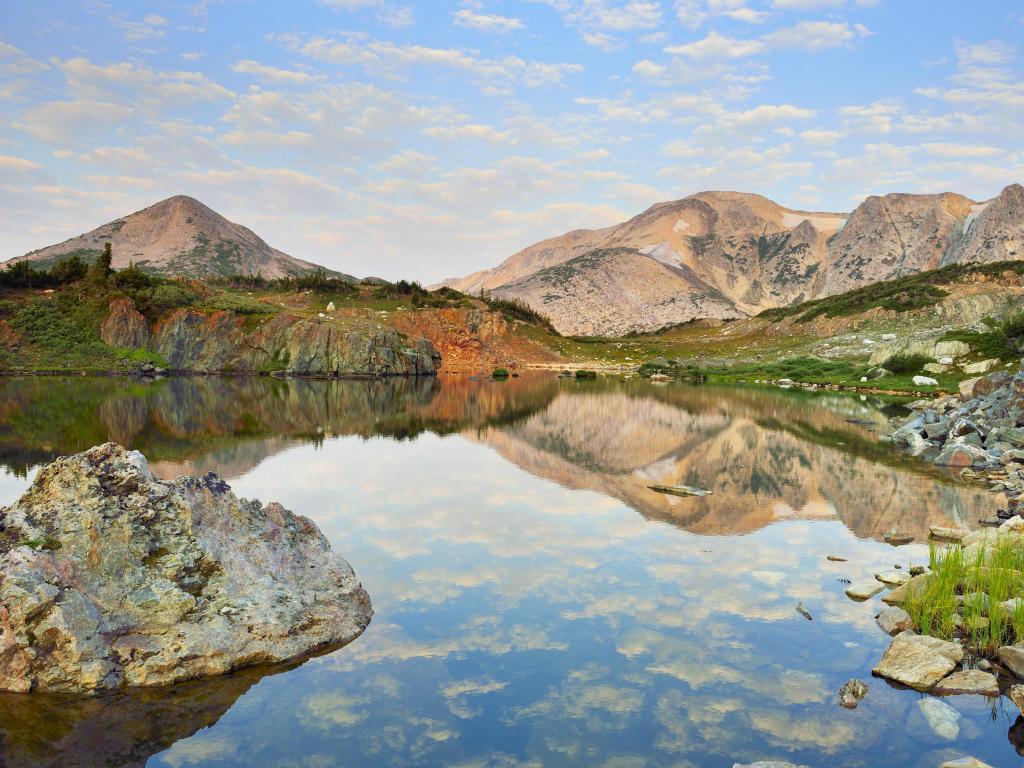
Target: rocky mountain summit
{"x": 178, "y": 236}
{"x": 112, "y": 578}
{"x": 729, "y": 254}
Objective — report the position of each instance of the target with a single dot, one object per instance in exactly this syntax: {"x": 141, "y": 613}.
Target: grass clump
{"x": 906, "y": 363}
{"x": 583, "y": 375}
{"x": 963, "y": 596}
{"x": 499, "y": 373}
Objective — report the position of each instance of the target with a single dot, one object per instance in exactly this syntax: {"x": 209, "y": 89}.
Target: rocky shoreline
{"x": 110, "y": 578}
{"x": 980, "y": 432}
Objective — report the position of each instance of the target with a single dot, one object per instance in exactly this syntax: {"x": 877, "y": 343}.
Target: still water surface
{"x": 535, "y": 604}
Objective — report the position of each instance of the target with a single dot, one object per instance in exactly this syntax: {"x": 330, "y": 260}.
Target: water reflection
{"x": 121, "y": 731}
{"x": 533, "y": 618}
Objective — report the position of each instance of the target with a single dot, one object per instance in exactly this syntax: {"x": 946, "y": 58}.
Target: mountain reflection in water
{"x": 766, "y": 454}
{"x": 525, "y": 614}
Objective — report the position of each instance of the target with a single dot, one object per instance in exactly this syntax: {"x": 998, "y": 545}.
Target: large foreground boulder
{"x": 110, "y": 578}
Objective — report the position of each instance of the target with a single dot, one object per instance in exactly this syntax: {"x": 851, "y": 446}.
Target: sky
{"x": 430, "y": 139}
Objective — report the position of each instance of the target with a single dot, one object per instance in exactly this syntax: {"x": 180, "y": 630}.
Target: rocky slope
{"x": 112, "y": 578}
{"x": 178, "y": 236}
{"x": 215, "y": 342}
{"x": 729, "y": 254}
{"x": 473, "y": 340}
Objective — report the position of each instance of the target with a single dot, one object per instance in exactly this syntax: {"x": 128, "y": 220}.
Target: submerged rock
{"x": 942, "y": 719}
{"x": 852, "y": 692}
{"x": 897, "y": 537}
{"x": 113, "y": 578}
{"x": 918, "y": 661}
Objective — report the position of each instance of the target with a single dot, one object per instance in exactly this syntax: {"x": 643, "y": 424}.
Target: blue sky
{"x": 426, "y": 140}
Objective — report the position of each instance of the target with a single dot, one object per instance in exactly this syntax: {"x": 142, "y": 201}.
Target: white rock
{"x": 925, "y": 381}
{"x": 330, "y": 307}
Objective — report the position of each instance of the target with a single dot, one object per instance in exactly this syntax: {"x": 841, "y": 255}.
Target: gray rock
{"x": 865, "y": 591}
{"x": 918, "y": 661}
{"x": 1012, "y": 657}
{"x": 896, "y": 537}
{"x": 121, "y": 579}
{"x": 968, "y": 681}
{"x": 893, "y": 578}
{"x": 1016, "y": 694}
{"x": 894, "y": 620}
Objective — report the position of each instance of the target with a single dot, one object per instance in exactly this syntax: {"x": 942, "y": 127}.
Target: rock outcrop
{"x": 472, "y": 339}
{"x": 221, "y": 342}
{"x": 111, "y": 578}
{"x": 124, "y": 325}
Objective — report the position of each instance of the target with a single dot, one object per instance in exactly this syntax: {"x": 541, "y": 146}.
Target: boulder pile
{"x": 981, "y": 429}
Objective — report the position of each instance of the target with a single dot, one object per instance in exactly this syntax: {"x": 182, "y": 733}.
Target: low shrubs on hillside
{"x": 1003, "y": 340}
{"x": 900, "y": 295}
{"x": 906, "y": 363}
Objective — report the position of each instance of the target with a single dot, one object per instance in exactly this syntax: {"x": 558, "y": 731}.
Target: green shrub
{"x": 241, "y": 305}
{"x": 586, "y": 375}
{"x": 906, "y": 363}
{"x": 500, "y": 373}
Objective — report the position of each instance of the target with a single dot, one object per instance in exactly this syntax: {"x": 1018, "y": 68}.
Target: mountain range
{"x": 731, "y": 254}
{"x": 178, "y": 236}
{"x": 717, "y": 255}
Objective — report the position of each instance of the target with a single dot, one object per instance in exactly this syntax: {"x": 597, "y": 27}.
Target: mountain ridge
{"x": 178, "y": 236}
{"x": 741, "y": 253}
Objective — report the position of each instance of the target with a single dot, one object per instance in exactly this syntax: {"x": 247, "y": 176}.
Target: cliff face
{"x": 728, "y": 254}
{"x": 994, "y": 230}
{"x": 194, "y": 341}
{"x": 472, "y": 339}
{"x": 892, "y": 236}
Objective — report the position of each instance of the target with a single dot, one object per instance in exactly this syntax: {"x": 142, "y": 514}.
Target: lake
{"x": 535, "y": 603}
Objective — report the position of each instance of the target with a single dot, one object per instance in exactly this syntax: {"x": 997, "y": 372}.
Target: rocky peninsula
{"x": 110, "y": 578}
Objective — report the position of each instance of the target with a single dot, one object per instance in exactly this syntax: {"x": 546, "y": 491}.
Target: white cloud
{"x": 486, "y": 22}
{"x": 274, "y": 74}
{"x": 647, "y": 68}
{"x": 380, "y": 56}
{"x": 806, "y": 35}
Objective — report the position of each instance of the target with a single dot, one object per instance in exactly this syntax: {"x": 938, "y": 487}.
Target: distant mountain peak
{"x": 178, "y": 236}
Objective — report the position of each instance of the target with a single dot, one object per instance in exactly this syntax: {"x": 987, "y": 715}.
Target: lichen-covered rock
{"x": 124, "y": 325}
{"x": 918, "y": 661}
{"x": 110, "y": 578}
